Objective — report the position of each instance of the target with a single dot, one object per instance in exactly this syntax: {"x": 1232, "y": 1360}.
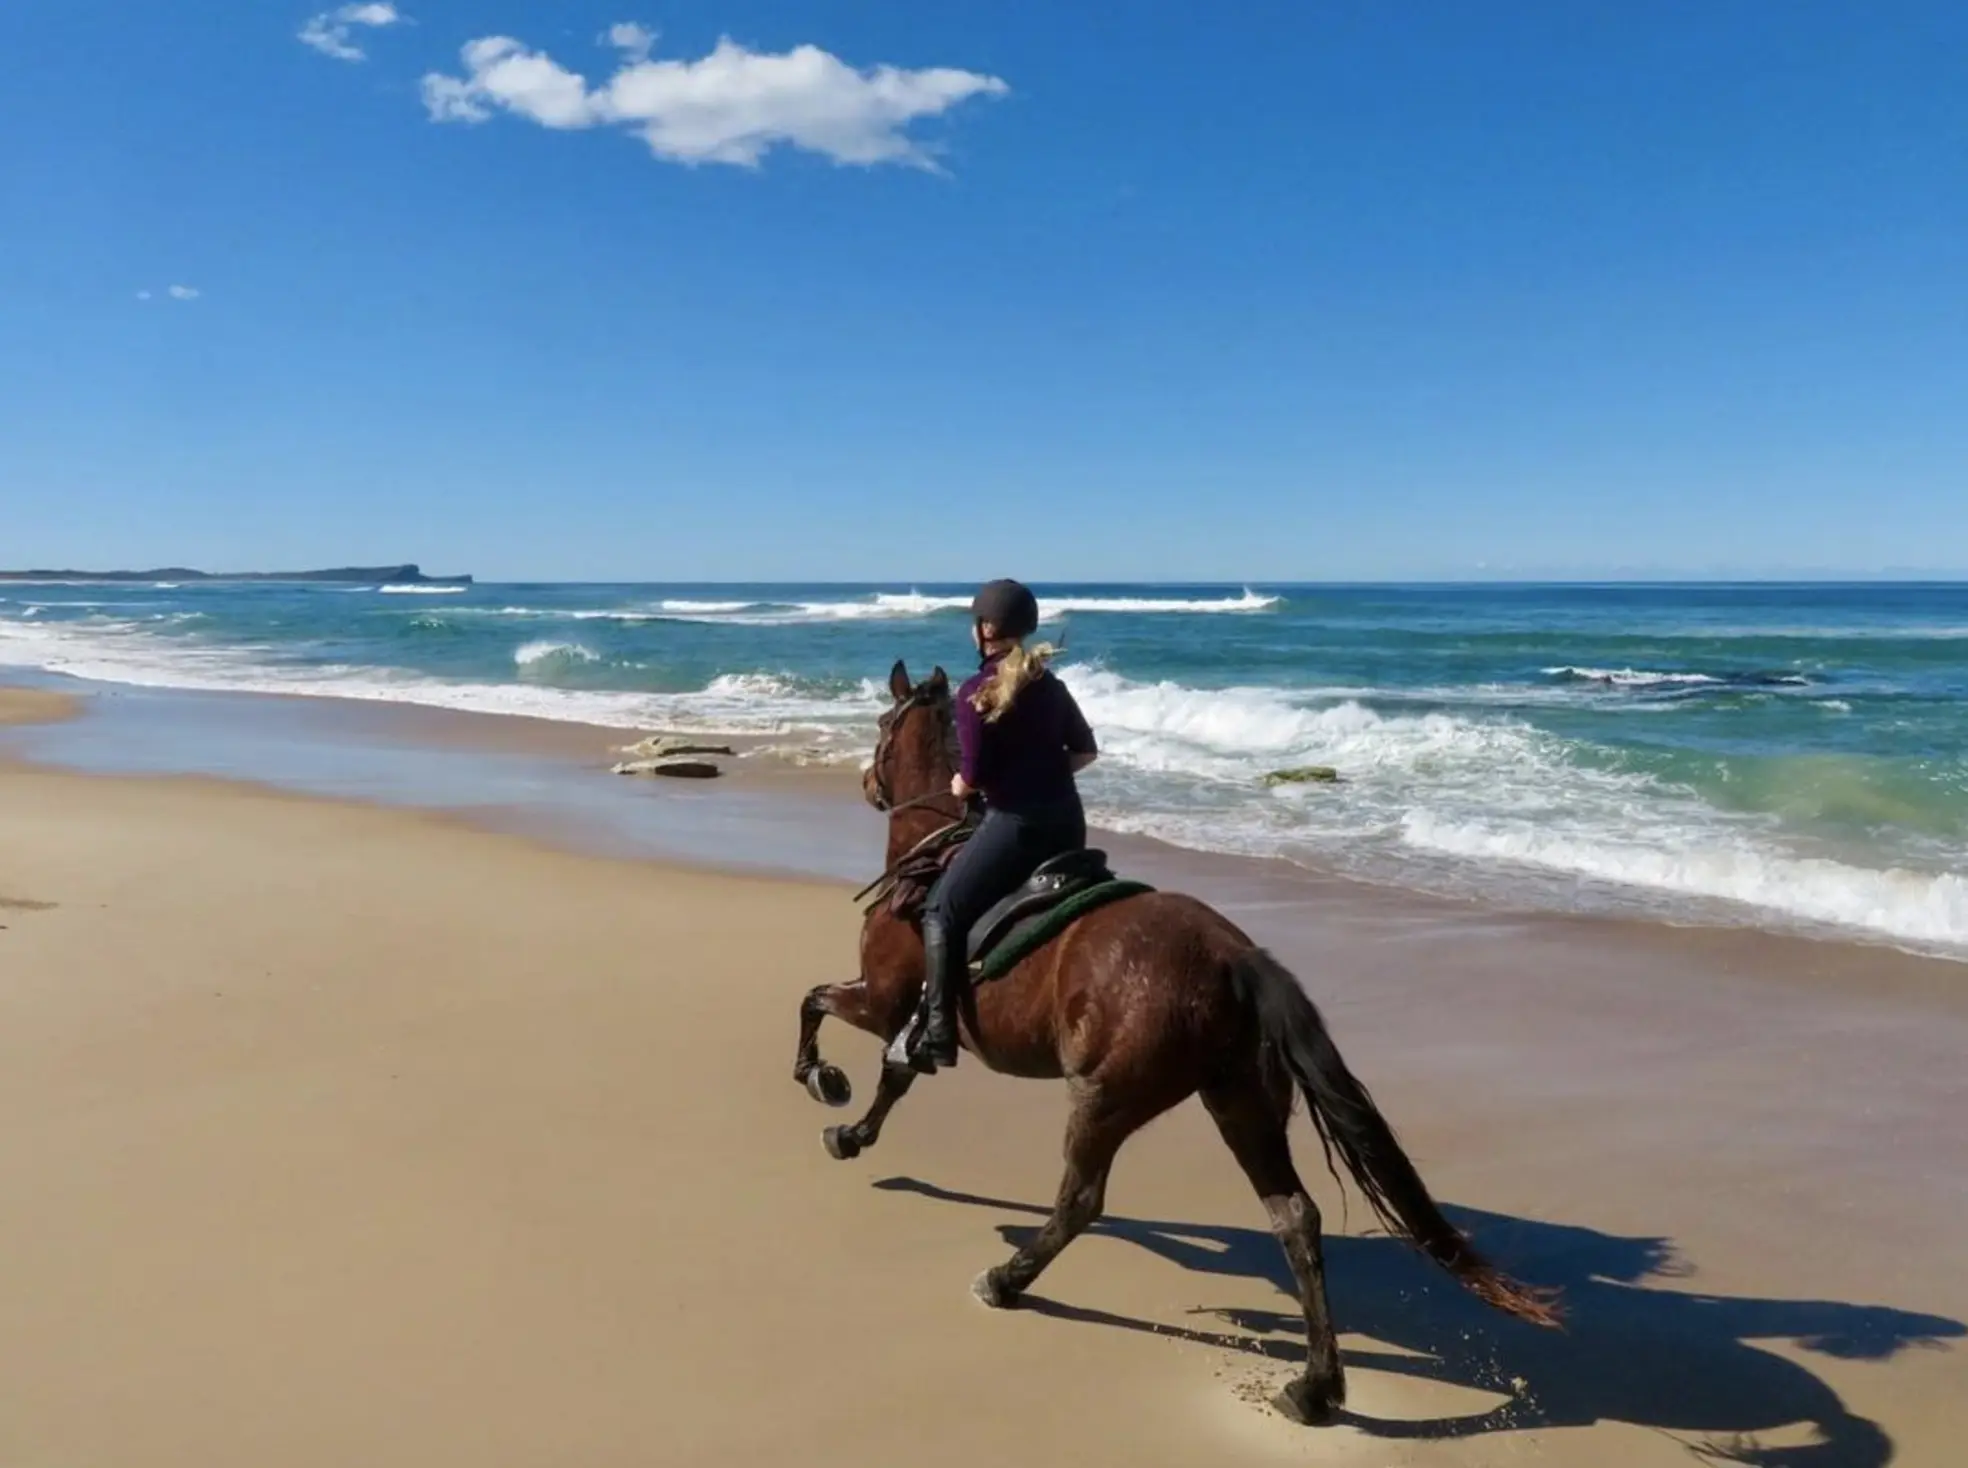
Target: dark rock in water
{"x": 1304, "y": 775}
{"x": 674, "y": 769}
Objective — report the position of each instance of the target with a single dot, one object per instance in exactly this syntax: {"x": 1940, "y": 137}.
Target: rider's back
{"x": 1023, "y": 760}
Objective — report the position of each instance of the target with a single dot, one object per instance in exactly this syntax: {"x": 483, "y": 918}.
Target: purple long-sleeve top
{"x": 1022, "y": 761}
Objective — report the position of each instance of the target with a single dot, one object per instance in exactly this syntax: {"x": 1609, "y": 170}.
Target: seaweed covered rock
{"x": 1303, "y": 775}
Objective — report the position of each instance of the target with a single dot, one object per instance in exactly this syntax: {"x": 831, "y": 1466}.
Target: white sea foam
{"x": 1923, "y": 907}
{"x": 1488, "y": 790}
{"x": 422, "y": 590}
{"x": 736, "y": 704}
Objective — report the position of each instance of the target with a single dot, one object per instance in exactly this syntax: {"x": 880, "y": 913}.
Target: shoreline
{"x": 454, "y": 1142}
{"x": 1510, "y": 749}
{"x": 769, "y": 814}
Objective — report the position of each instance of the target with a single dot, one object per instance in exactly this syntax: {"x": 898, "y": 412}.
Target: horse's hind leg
{"x": 1093, "y": 1135}
{"x": 1253, "y": 1120}
{"x": 824, "y": 1083}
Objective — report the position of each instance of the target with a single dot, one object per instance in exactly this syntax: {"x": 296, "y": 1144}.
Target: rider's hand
{"x": 960, "y": 787}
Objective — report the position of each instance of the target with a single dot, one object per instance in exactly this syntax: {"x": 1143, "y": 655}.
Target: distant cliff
{"x": 405, "y": 575}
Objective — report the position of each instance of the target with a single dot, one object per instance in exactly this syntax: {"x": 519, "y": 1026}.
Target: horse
{"x": 1137, "y": 1006}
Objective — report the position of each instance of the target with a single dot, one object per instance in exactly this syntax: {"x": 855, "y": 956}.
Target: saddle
{"x": 1062, "y": 890}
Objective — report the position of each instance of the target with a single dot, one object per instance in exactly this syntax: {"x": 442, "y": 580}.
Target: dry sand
{"x": 344, "y": 1136}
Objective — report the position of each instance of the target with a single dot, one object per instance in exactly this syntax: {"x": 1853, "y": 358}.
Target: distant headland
{"x": 405, "y": 575}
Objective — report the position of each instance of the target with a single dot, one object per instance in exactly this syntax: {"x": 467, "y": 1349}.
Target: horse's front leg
{"x": 845, "y": 1143}
{"x": 825, "y": 1083}
{"x": 879, "y": 1015}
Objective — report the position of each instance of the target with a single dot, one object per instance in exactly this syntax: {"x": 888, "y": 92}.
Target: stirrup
{"x": 905, "y": 1051}
{"x": 910, "y": 1049}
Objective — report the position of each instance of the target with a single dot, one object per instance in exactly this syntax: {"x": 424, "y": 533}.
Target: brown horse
{"x": 1138, "y": 1006}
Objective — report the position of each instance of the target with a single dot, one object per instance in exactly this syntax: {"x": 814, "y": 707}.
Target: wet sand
{"x": 35, "y": 706}
{"x": 346, "y": 1134}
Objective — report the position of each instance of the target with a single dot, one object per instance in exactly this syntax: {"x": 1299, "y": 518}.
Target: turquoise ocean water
{"x": 1795, "y": 756}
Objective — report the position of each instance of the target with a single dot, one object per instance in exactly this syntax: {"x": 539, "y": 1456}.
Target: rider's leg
{"x": 991, "y": 864}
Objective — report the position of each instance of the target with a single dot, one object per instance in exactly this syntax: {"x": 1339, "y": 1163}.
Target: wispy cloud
{"x": 332, "y": 32}
{"x": 731, "y": 106}
{"x": 184, "y": 293}
{"x": 143, "y": 295}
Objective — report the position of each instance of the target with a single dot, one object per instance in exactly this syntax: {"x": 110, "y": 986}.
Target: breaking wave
{"x": 541, "y": 654}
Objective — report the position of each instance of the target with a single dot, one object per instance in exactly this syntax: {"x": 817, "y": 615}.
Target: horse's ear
{"x": 898, "y": 681}
{"x": 939, "y": 680}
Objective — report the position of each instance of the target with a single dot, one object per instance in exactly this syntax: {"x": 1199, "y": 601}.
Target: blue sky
{"x": 1264, "y": 291}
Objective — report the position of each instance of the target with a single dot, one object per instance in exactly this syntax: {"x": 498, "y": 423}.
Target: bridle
{"x": 925, "y": 696}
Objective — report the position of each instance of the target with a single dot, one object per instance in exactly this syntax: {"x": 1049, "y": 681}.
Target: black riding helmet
{"x": 1007, "y": 606}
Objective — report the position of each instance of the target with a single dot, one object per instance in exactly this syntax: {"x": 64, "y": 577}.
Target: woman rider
{"x": 1022, "y": 739}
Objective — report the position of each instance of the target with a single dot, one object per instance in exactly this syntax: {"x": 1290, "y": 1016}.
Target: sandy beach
{"x": 342, "y": 1134}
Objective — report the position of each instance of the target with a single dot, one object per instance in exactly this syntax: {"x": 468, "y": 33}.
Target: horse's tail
{"x": 1348, "y": 1121}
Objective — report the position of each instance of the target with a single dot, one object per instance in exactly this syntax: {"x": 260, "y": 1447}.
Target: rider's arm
{"x": 1081, "y": 750}
{"x": 970, "y": 737}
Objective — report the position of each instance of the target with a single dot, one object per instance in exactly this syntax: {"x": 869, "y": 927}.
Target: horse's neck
{"x": 907, "y": 830}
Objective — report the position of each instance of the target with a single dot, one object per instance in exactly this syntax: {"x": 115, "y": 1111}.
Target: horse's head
{"x": 915, "y": 751}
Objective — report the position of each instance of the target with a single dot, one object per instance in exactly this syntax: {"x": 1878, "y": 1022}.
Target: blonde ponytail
{"x": 1019, "y": 668}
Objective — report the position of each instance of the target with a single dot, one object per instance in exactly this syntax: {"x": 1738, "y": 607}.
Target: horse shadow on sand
{"x": 1674, "y": 1361}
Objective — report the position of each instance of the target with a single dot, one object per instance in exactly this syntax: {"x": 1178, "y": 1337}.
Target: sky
{"x": 854, "y": 290}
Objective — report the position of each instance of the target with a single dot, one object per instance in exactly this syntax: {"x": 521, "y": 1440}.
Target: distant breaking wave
{"x": 422, "y": 590}
{"x": 1648, "y": 678}
{"x": 885, "y": 606}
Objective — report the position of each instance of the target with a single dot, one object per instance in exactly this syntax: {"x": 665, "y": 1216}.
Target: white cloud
{"x": 143, "y": 295}
{"x": 184, "y": 293}
{"x": 731, "y": 106}
{"x": 331, "y": 32}
{"x": 635, "y": 41}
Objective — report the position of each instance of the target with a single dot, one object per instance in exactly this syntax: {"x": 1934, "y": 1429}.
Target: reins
{"x": 926, "y": 800}
{"x": 919, "y": 860}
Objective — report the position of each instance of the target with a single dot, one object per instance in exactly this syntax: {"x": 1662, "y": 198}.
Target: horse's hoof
{"x": 988, "y": 1288}
{"x": 1310, "y": 1406}
{"x": 828, "y": 1084}
{"x": 841, "y": 1143}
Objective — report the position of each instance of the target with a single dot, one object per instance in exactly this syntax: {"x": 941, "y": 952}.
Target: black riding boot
{"x": 930, "y": 1041}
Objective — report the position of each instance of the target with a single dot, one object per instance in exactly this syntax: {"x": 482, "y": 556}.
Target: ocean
{"x": 1791, "y": 756}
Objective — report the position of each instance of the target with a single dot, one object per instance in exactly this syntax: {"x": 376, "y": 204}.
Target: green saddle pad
{"x": 1029, "y": 936}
